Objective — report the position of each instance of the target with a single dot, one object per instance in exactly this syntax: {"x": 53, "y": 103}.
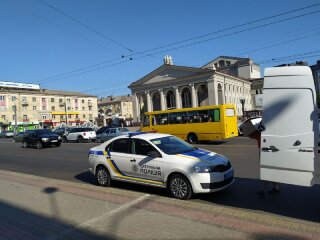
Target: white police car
{"x": 160, "y": 160}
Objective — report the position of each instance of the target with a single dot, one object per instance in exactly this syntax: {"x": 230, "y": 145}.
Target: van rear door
{"x": 289, "y": 142}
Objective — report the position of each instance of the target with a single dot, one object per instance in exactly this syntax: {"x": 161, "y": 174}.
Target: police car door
{"x": 144, "y": 166}
{"x": 120, "y": 157}
{"x": 289, "y": 115}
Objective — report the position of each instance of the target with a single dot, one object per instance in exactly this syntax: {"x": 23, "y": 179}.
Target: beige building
{"x": 36, "y": 108}
{"x": 223, "y": 80}
{"x": 115, "y": 106}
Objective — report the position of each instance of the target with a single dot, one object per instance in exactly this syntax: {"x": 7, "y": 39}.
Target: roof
{"x": 112, "y": 99}
{"x": 46, "y": 92}
{"x": 168, "y": 66}
{"x": 150, "y": 136}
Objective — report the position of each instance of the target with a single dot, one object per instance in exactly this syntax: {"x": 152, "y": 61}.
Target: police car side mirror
{"x": 153, "y": 154}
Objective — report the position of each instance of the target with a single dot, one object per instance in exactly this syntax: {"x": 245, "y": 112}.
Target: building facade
{"x": 223, "y": 80}
{"x": 38, "y": 108}
{"x": 115, "y": 106}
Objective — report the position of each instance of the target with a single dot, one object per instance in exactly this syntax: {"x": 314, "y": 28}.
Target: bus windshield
{"x": 172, "y": 145}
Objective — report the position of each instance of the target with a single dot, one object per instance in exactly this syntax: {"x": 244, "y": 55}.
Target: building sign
{"x": 20, "y": 85}
{"x": 258, "y": 98}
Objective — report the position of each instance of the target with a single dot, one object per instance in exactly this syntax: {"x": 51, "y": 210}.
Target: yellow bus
{"x": 194, "y": 124}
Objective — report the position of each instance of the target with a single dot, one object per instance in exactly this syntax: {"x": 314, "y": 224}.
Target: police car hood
{"x": 209, "y": 158}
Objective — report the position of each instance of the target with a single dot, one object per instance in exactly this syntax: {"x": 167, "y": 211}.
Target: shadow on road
{"x": 17, "y": 223}
{"x": 292, "y": 201}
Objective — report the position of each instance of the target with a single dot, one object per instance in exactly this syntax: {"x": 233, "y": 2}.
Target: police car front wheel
{"x": 103, "y": 177}
{"x": 180, "y": 187}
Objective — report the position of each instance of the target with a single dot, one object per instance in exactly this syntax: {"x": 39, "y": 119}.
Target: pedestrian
{"x": 275, "y": 187}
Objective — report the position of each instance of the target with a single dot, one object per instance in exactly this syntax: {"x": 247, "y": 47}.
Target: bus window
{"x": 161, "y": 119}
{"x": 178, "y": 118}
{"x": 230, "y": 112}
{"x": 214, "y": 115}
{"x": 146, "y": 121}
{"x": 203, "y": 115}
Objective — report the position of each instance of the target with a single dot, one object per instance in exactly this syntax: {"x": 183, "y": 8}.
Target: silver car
{"x": 111, "y": 133}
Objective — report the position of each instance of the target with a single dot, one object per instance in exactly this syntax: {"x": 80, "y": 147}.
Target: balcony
{"x": 89, "y": 104}
{"x": 24, "y": 103}
{"x": 61, "y": 104}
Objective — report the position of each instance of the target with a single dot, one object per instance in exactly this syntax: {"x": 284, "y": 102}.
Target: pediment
{"x": 168, "y": 73}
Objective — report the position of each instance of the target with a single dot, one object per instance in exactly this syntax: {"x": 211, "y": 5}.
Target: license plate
{"x": 54, "y": 141}
{"x": 228, "y": 175}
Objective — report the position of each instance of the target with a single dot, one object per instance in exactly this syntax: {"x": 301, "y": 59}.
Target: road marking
{"x": 91, "y": 222}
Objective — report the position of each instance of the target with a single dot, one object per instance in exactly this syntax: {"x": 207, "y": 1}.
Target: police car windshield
{"x": 172, "y": 145}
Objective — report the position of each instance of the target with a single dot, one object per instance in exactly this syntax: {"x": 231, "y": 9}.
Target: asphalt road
{"x": 69, "y": 162}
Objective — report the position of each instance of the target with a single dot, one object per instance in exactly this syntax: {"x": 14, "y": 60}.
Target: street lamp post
{"x": 242, "y": 101}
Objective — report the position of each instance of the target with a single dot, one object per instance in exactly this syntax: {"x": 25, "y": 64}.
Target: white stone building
{"x": 223, "y": 80}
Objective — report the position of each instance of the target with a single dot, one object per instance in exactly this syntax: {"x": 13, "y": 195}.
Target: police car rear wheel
{"x": 180, "y": 187}
{"x": 103, "y": 177}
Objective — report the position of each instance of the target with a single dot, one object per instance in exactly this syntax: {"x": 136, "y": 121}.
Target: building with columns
{"x": 223, "y": 80}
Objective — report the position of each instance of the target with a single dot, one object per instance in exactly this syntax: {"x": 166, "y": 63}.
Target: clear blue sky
{"x": 39, "y": 42}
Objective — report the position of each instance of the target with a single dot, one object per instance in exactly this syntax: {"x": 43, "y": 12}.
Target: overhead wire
{"x": 85, "y": 25}
{"x": 171, "y": 49}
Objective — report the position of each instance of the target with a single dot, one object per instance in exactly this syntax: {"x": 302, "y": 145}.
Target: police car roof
{"x": 149, "y": 136}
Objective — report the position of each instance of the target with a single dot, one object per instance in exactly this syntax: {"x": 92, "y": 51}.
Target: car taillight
{"x": 84, "y": 134}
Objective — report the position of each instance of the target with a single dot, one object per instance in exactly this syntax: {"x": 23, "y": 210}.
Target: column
{"x": 149, "y": 109}
{"x": 136, "y": 108}
{"x": 178, "y": 98}
{"x": 193, "y": 96}
{"x": 162, "y": 99}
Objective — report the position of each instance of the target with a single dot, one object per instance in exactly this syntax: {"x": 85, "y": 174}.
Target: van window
{"x": 160, "y": 119}
{"x": 230, "y": 112}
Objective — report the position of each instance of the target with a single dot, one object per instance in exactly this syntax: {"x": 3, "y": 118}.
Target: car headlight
{"x": 203, "y": 169}
{"x": 45, "y": 139}
{"x": 59, "y": 138}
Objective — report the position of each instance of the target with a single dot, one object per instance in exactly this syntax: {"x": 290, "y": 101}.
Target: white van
{"x": 289, "y": 143}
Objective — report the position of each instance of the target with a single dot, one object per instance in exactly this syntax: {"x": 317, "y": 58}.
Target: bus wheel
{"x": 192, "y": 138}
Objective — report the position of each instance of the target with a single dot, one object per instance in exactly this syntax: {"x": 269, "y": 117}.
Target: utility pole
{"x": 242, "y": 101}
{"x": 15, "y": 119}
{"x": 66, "y": 110}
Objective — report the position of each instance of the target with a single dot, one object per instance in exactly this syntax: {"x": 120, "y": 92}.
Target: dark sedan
{"x": 41, "y": 138}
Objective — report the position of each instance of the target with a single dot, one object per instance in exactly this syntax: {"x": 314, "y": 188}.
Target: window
{"x": 141, "y": 147}
{"x": 178, "y": 118}
{"x": 120, "y": 146}
{"x": 68, "y": 100}
{"x": 198, "y": 116}
{"x": 52, "y": 99}
{"x": 90, "y": 108}
{"x": 84, "y": 116}
{"x": 34, "y": 99}
{"x": 2, "y": 108}
{"x": 60, "y": 100}
{"x": 146, "y": 121}
{"x": 34, "y": 108}
{"x": 160, "y": 119}
{"x": 44, "y": 107}
{"x": 230, "y": 112}
{"x": 3, "y": 117}
{"x": 83, "y": 108}
{"x": 24, "y": 99}
{"x": 90, "y": 116}
{"x": 112, "y": 131}
{"x": 44, "y": 116}
{"x": 13, "y": 117}
{"x": 2, "y": 98}
{"x": 25, "y": 117}
{"x": 13, "y": 108}
{"x": 24, "y": 108}
{"x": 69, "y": 115}
{"x": 53, "y": 108}
{"x": 214, "y": 115}
{"x": 69, "y": 108}
{"x": 82, "y": 101}
{"x": 13, "y": 98}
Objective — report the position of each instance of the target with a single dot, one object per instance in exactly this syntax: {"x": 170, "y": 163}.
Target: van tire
{"x": 64, "y": 139}
{"x": 192, "y": 138}
{"x": 80, "y": 139}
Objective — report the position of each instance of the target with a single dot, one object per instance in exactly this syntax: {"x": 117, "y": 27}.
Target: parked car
{"x": 79, "y": 135}
{"x": 111, "y": 133}
{"x": 41, "y": 138}
{"x": 6, "y": 134}
{"x": 160, "y": 160}
{"x": 102, "y": 130}
{"x": 19, "y": 137}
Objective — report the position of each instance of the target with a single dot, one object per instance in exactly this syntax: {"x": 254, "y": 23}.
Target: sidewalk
{"x": 41, "y": 208}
